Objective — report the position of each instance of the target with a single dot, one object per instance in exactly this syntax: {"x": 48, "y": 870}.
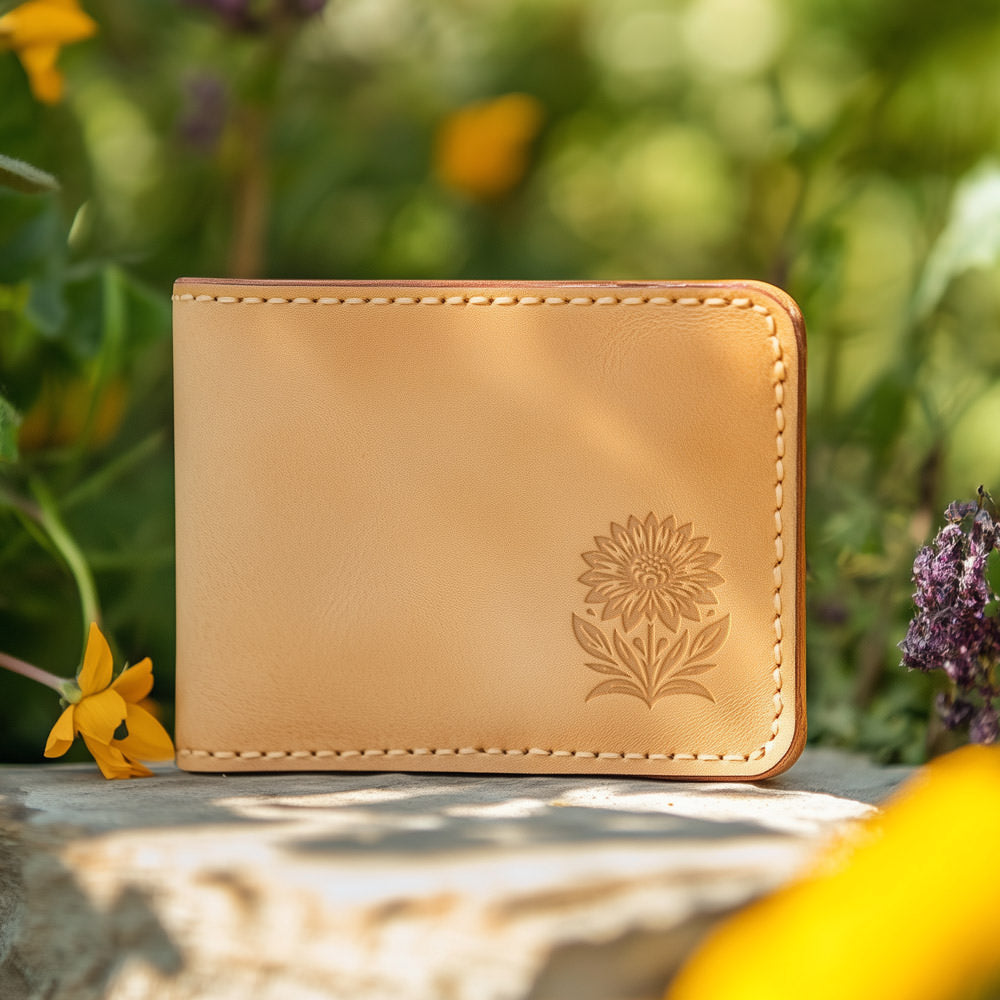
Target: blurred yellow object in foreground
{"x": 482, "y": 149}
{"x": 36, "y": 31}
{"x": 905, "y": 908}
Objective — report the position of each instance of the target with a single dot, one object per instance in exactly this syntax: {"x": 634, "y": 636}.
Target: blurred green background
{"x": 848, "y": 151}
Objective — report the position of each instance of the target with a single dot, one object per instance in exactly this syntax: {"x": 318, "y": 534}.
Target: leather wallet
{"x": 489, "y": 527}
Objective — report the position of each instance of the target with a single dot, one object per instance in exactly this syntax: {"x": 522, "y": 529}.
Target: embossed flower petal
{"x": 634, "y": 608}
{"x": 651, "y": 569}
{"x": 669, "y": 612}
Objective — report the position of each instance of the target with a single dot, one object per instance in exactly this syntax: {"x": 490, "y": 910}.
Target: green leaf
{"x": 10, "y": 420}
{"x": 993, "y": 571}
{"x": 21, "y": 176}
{"x": 970, "y": 238}
{"x": 32, "y": 237}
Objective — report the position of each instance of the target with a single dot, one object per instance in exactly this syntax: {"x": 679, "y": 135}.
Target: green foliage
{"x": 20, "y": 176}
{"x": 845, "y": 151}
{"x": 10, "y": 421}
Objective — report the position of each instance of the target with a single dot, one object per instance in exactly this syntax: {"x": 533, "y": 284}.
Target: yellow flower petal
{"x": 147, "y": 739}
{"x": 891, "y": 912}
{"x": 136, "y": 682}
{"x": 95, "y": 674}
{"x": 113, "y": 763}
{"x": 100, "y": 715}
{"x": 36, "y": 30}
{"x": 45, "y": 22}
{"x": 482, "y": 149}
{"x": 45, "y": 80}
{"x": 62, "y": 734}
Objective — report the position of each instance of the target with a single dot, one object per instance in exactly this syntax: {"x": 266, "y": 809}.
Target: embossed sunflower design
{"x": 658, "y": 572}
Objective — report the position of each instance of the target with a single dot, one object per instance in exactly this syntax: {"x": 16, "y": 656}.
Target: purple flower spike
{"x": 985, "y": 727}
{"x": 204, "y": 117}
{"x": 953, "y": 629}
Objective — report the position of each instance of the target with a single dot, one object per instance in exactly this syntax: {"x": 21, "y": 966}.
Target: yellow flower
{"x": 907, "y": 908}
{"x": 36, "y": 30}
{"x": 117, "y": 730}
{"x": 66, "y": 410}
{"x": 482, "y": 149}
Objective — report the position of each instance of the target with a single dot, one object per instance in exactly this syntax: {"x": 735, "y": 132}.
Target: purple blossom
{"x": 306, "y": 8}
{"x": 205, "y": 113}
{"x": 953, "y": 629}
{"x": 236, "y": 13}
{"x": 985, "y": 727}
{"x": 954, "y": 712}
{"x": 253, "y": 15}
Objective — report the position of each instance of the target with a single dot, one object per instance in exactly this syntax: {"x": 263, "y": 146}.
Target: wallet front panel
{"x": 518, "y": 527}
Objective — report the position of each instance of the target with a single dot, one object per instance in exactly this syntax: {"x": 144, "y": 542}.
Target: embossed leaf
{"x": 616, "y": 687}
{"x": 678, "y": 686}
{"x": 627, "y": 656}
{"x": 593, "y": 640}
{"x": 694, "y": 668}
{"x": 668, "y": 658}
{"x": 710, "y": 639}
{"x": 607, "y": 668}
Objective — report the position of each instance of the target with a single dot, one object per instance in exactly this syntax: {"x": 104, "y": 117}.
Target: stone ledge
{"x": 390, "y": 885}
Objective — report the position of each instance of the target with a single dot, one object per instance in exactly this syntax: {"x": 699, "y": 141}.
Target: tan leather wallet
{"x": 491, "y": 526}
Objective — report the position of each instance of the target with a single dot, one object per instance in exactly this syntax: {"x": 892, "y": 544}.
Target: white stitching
{"x": 465, "y": 752}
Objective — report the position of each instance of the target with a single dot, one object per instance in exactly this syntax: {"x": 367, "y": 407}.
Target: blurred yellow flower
{"x": 482, "y": 149}
{"x": 907, "y": 908}
{"x": 66, "y": 410}
{"x": 117, "y": 730}
{"x": 36, "y": 31}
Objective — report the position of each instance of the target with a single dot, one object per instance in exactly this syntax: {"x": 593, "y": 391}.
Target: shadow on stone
{"x": 384, "y": 829}
{"x": 636, "y": 965}
{"x": 55, "y": 943}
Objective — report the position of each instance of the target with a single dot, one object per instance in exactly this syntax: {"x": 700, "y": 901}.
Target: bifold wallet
{"x": 490, "y": 527}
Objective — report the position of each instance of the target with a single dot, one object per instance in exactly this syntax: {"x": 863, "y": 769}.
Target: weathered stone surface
{"x": 280, "y": 887}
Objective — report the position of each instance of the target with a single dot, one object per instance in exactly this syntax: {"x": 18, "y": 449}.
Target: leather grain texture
{"x": 502, "y": 527}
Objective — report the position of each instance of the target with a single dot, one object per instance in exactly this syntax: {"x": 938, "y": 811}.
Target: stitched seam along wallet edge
{"x": 773, "y": 323}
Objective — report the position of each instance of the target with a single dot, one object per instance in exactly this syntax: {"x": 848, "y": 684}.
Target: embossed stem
{"x": 648, "y": 665}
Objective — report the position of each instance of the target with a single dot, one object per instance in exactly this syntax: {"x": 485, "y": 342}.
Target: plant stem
{"x": 34, "y": 673}
{"x": 72, "y": 555}
{"x": 251, "y": 196}
{"x": 26, "y": 507}
{"x": 104, "y": 478}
